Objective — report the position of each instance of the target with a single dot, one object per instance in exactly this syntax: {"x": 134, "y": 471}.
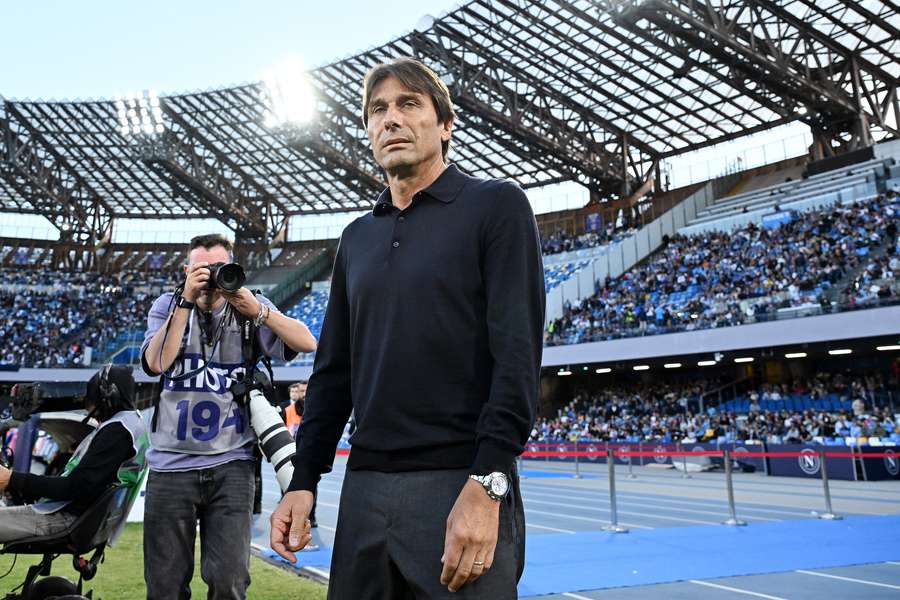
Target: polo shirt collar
{"x": 445, "y": 189}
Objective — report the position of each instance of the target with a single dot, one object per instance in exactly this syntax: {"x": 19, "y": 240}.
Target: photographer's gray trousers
{"x": 220, "y": 499}
{"x": 22, "y": 522}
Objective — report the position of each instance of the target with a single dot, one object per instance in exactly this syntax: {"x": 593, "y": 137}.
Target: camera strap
{"x": 252, "y": 353}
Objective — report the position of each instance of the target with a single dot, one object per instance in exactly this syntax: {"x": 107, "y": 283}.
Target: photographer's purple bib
{"x": 198, "y": 423}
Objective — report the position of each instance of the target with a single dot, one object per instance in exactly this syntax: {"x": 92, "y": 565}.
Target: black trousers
{"x": 390, "y": 538}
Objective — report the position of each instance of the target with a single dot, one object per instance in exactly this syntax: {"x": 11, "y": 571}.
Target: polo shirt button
{"x": 396, "y": 244}
{"x": 402, "y": 218}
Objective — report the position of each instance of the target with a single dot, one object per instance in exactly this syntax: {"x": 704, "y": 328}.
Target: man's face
{"x": 403, "y": 127}
{"x": 298, "y": 392}
{"x": 212, "y": 255}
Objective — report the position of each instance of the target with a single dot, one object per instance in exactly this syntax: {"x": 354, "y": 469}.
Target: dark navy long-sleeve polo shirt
{"x": 432, "y": 334}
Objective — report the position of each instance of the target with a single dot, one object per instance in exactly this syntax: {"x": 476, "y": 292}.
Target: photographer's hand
{"x": 197, "y": 278}
{"x": 159, "y": 359}
{"x": 243, "y": 301}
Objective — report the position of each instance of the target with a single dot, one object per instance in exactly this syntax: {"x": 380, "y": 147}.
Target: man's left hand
{"x": 5, "y": 474}
{"x": 471, "y": 539}
{"x": 244, "y": 302}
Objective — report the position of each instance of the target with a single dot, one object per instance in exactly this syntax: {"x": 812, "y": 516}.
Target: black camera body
{"x": 228, "y": 277}
{"x": 30, "y": 398}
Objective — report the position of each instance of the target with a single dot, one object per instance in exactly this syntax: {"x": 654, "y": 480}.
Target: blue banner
{"x": 743, "y": 454}
{"x": 659, "y": 449}
{"x": 886, "y": 466}
{"x": 773, "y": 220}
{"x": 810, "y": 465}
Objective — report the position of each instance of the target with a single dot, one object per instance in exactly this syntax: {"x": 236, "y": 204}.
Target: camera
{"x": 275, "y": 441}
{"x": 30, "y": 398}
{"x": 228, "y": 277}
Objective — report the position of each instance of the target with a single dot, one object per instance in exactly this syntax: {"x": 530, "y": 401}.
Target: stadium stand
{"x": 710, "y": 290}
{"x": 827, "y": 407}
{"x": 721, "y": 279}
{"x": 311, "y": 310}
{"x": 51, "y": 318}
{"x": 605, "y": 95}
{"x": 858, "y": 182}
{"x": 562, "y": 241}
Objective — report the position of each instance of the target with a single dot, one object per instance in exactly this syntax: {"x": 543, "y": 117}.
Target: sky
{"x": 55, "y": 50}
{"x": 97, "y": 49}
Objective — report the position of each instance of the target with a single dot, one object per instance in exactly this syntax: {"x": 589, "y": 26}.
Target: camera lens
{"x": 230, "y": 277}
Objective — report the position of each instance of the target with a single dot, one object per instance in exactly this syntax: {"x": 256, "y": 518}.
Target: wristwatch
{"x": 182, "y": 302}
{"x": 496, "y": 484}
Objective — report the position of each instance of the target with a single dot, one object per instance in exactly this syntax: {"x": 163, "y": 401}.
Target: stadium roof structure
{"x": 597, "y": 92}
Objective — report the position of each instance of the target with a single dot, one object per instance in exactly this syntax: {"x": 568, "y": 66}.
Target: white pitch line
{"x": 576, "y": 596}
{"x": 735, "y": 590}
{"x": 319, "y": 572}
{"x": 557, "y": 529}
{"x": 554, "y": 514}
{"x": 652, "y": 515}
{"x": 626, "y": 497}
{"x": 850, "y": 579}
{"x": 627, "y": 512}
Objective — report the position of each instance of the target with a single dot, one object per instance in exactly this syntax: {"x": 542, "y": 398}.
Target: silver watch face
{"x": 499, "y": 484}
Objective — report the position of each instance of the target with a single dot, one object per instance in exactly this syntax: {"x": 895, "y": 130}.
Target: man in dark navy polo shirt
{"x": 433, "y": 335}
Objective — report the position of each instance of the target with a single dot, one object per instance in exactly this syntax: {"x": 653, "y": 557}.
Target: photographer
{"x": 293, "y": 410}
{"x": 112, "y": 453}
{"x": 202, "y": 447}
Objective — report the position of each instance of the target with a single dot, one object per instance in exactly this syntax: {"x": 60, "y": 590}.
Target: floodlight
{"x": 287, "y": 94}
{"x": 140, "y": 114}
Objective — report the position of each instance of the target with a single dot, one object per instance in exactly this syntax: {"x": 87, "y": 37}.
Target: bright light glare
{"x": 141, "y": 114}
{"x": 288, "y": 94}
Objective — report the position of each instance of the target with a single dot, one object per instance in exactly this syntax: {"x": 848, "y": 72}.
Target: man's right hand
{"x": 197, "y": 277}
{"x": 290, "y": 527}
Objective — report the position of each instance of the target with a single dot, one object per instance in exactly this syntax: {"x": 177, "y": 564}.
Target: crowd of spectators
{"x": 563, "y": 241}
{"x": 665, "y": 413}
{"x": 50, "y": 318}
{"x": 879, "y": 279}
{"x": 718, "y": 279}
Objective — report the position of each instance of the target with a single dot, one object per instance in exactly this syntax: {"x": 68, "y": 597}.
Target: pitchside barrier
{"x": 852, "y": 463}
